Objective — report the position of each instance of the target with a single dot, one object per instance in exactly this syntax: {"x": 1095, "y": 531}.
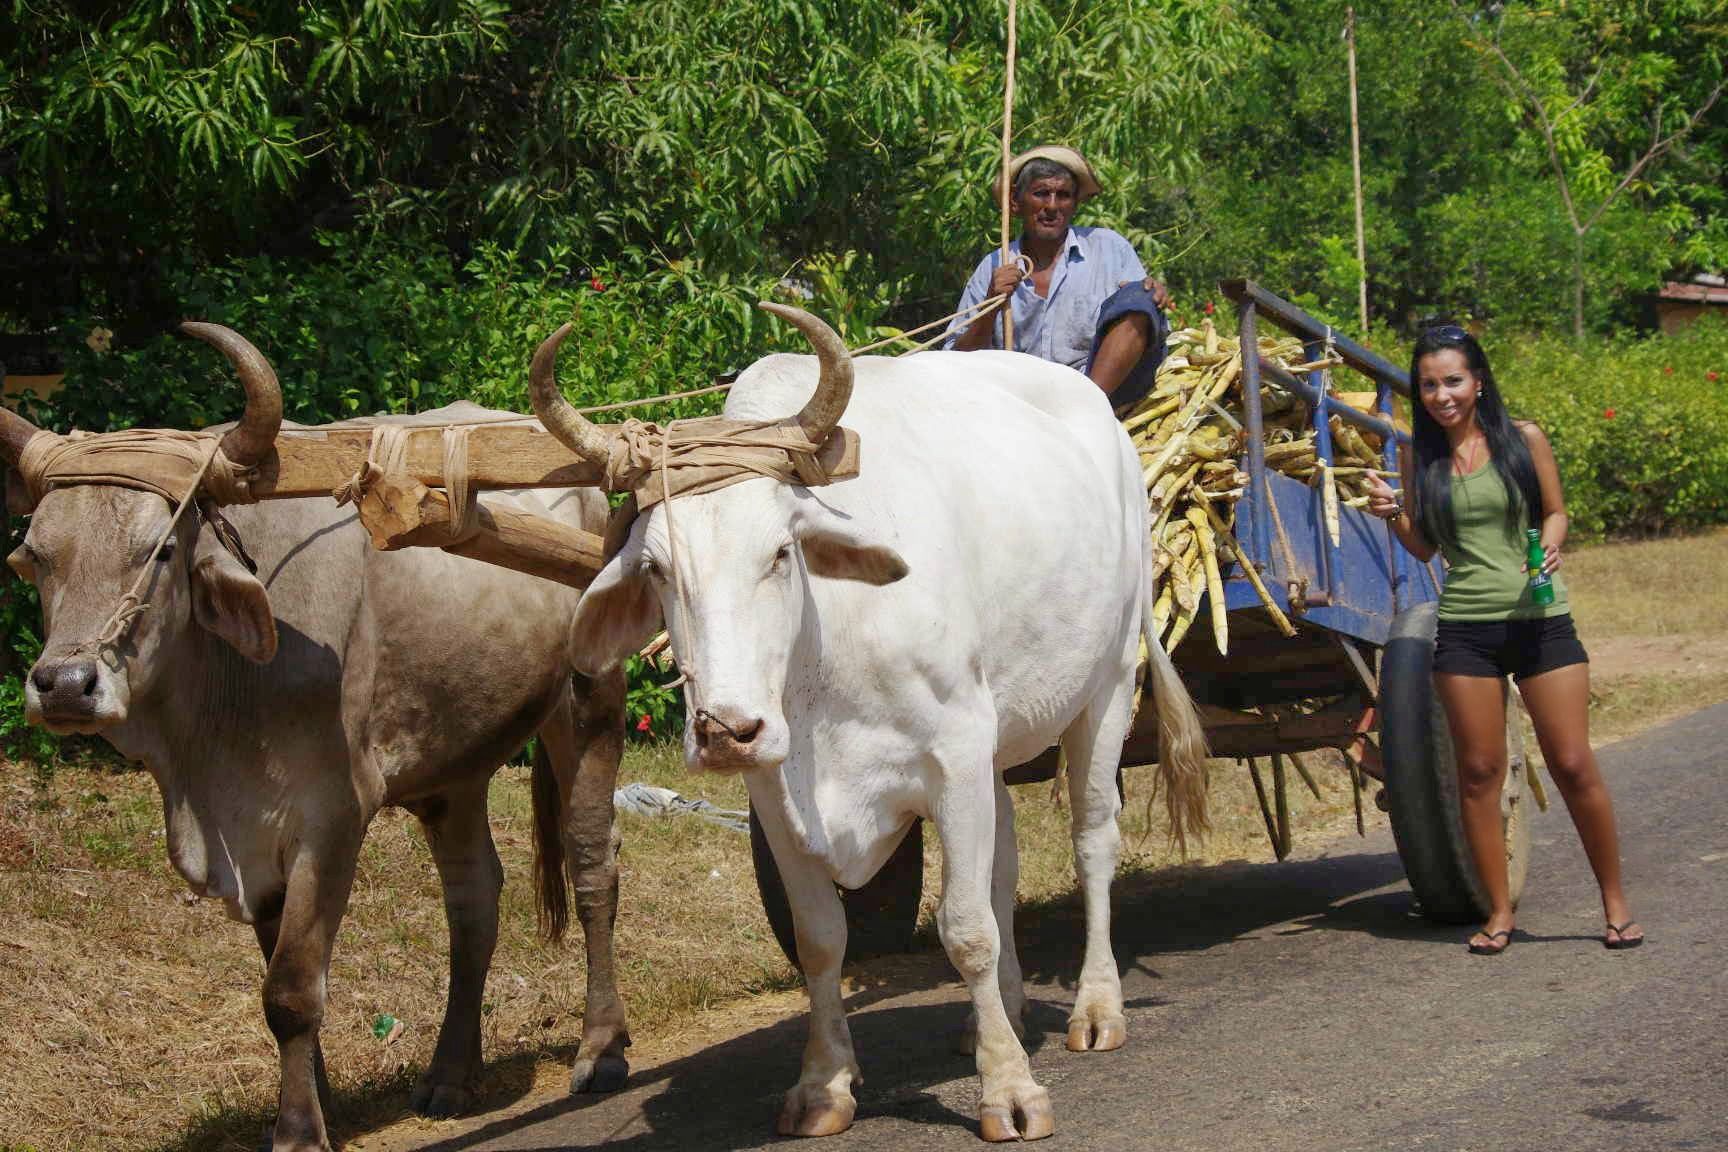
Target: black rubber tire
{"x": 881, "y": 917}
{"x": 1422, "y": 781}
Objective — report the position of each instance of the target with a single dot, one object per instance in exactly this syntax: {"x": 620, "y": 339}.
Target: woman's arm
{"x": 1397, "y": 507}
{"x": 1552, "y": 521}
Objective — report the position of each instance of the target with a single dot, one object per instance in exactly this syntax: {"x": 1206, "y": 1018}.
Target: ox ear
{"x": 229, "y": 601}
{"x": 832, "y": 548}
{"x": 616, "y": 616}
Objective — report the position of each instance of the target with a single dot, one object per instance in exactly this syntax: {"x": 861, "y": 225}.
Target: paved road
{"x": 1300, "y": 1006}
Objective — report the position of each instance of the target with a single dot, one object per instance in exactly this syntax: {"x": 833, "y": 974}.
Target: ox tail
{"x": 551, "y": 889}
{"x": 1181, "y": 737}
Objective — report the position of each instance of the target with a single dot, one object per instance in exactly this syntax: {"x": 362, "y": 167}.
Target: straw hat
{"x": 1085, "y": 183}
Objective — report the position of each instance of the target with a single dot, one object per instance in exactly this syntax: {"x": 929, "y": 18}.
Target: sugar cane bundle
{"x": 1189, "y": 434}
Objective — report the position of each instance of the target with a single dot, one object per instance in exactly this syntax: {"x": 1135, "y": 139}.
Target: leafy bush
{"x": 1639, "y": 425}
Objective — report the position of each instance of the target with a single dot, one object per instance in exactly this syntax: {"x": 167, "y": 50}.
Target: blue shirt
{"x": 1060, "y": 326}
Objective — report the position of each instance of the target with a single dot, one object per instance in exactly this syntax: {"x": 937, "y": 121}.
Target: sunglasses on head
{"x": 1445, "y": 332}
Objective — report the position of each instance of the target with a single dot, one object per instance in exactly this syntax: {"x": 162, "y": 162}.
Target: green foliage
{"x": 1640, "y": 427}
{"x": 715, "y": 139}
{"x": 653, "y": 710}
{"x": 19, "y": 615}
{"x": 1463, "y": 213}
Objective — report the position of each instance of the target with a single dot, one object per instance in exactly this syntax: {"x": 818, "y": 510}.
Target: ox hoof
{"x": 815, "y": 1111}
{"x": 1029, "y": 1117}
{"x": 439, "y": 1101}
{"x": 268, "y": 1143}
{"x": 1105, "y": 1034}
{"x": 604, "y": 1074}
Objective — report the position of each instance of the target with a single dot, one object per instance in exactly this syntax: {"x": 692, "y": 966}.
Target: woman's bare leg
{"x": 1476, "y": 716}
{"x": 1559, "y": 707}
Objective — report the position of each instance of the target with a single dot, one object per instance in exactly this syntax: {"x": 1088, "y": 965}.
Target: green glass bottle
{"x": 1541, "y": 584}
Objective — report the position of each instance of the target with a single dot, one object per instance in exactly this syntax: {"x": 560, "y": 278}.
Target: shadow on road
{"x": 727, "y": 1095}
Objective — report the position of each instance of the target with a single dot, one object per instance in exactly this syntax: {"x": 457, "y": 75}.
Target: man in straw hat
{"x": 1087, "y": 301}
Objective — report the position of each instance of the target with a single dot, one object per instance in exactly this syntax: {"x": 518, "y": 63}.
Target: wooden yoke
{"x": 317, "y": 461}
{"x": 400, "y": 512}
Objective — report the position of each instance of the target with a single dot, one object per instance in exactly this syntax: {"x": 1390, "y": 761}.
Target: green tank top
{"x": 1485, "y": 577}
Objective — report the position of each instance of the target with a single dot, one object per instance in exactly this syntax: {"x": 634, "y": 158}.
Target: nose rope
{"x": 133, "y": 605}
{"x": 703, "y": 715}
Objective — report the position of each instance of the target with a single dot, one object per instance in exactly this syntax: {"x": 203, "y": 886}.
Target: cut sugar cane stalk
{"x": 1329, "y": 504}
{"x": 1229, "y": 538}
{"x": 1198, "y": 516}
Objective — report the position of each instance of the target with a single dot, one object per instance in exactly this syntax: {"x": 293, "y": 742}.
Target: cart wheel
{"x": 881, "y": 917}
{"x": 1422, "y": 780}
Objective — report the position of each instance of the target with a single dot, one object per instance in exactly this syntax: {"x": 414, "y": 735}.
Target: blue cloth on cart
{"x": 1130, "y": 298}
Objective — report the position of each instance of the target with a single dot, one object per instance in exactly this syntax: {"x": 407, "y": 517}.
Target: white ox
{"x": 882, "y": 649}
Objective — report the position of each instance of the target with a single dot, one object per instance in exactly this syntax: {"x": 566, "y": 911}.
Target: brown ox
{"x": 278, "y": 712}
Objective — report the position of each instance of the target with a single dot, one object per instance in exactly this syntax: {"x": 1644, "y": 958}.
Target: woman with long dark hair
{"x": 1479, "y": 480}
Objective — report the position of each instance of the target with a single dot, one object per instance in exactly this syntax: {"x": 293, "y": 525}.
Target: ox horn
{"x": 15, "y": 432}
{"x": 251, "y": 439}
{"x": 833, "y": 385}
{"x": 574, "y": 430}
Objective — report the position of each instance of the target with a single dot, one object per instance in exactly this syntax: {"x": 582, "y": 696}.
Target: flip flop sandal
{"x": 1621, "y": 941}
{"x": 1487, "y": 949}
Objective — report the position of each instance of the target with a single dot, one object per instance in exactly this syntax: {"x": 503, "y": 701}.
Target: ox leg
{"x": 1014, "y": 1106}
{"x": 1094, "y": 747}
{"x": 319, "y": 881}
{"x": 1004, "y": 881}
{"x": 585, "y": 743}
{"x": 460, "y": 837}
{"x": 821, "y": 1103}
{"x": 267, "y": 932}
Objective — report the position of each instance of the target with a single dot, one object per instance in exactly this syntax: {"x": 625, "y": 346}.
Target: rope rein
{"x": 686, "y": 663}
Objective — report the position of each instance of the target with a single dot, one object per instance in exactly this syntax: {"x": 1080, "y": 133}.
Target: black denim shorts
{"x": 1501, "y": 648}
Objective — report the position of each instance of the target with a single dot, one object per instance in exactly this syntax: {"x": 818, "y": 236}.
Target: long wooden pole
{"x": 1356, "y": 167}
{"x": 1007, "y": 157}
{"x": 400, "y": 512}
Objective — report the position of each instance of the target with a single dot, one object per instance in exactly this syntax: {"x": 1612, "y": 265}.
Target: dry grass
{"x": 1652, "y": 589}
{"x": 1654, "y": 616}
{"x": 132, "y": 1017}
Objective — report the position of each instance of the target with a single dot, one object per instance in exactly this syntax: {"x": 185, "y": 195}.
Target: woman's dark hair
{"x": 1506, "y": 446}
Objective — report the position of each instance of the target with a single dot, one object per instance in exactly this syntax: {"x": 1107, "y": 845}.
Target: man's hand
{"x": 1005, "y": 279}
{"x": 1160, "y": 294}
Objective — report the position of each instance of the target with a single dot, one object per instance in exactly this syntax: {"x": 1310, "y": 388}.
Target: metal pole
{"x": 1356, "y": 167}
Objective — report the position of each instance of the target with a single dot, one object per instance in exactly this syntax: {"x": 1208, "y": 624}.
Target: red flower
{"x": 645, "y": 724}
{"x": 596, "y": 283}
{"x": 1667, "y": 370}
{"x": 1710, "y": 376}
{"x": 1607, "y": 413}
{"x": 1208, "y": 307}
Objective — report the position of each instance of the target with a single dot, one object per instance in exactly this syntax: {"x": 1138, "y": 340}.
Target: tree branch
{"x": 1658, "y": 147}
{"x": 1520, "y": 92}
